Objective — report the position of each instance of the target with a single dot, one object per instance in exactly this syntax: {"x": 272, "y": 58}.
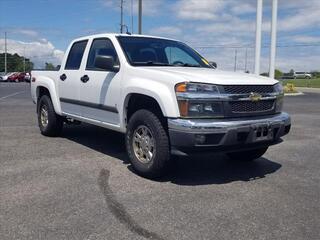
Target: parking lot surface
{"x": 80, "y": 185}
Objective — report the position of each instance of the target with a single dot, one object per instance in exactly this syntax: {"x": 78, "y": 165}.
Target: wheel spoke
{"x": 44, "y": 115}
{"x": 137, "y": 138}
{"x": 149, "y": 155}
{"x": 143, "y": 144}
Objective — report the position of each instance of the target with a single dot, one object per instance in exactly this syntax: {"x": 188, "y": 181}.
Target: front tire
{"x": 147, "y": 144}
{"x": 247, "y": 156}
{"x": 50, "y": 123}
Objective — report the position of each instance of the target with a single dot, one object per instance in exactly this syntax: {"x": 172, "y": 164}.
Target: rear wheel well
{"x": 140, "y": 101}
{"x": 41, "y": 91}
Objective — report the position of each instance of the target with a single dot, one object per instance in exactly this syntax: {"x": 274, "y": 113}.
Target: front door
{"x": 69, "y": 80}
{"x": 100, "y": 89}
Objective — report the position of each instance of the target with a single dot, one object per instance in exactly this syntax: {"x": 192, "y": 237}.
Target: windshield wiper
{"x": 191, "y": 65}
{"x": 151, "y": 63}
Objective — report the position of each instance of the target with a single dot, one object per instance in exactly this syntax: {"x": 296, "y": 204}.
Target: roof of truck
{"x": 119, "y": 34}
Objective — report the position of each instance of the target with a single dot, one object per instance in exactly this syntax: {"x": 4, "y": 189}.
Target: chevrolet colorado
{"x": 164, "y": 96}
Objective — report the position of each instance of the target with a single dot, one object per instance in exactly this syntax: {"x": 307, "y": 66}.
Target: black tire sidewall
{"x": 55, "y": 123}
{"x": 161, "y": 155}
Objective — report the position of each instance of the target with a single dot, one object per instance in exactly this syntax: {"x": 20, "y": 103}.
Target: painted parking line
{"x": 10, "y": 95}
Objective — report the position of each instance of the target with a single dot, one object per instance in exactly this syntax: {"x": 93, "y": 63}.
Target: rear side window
{"x": 101, "y": 46}
{"x": 75, "y": 55}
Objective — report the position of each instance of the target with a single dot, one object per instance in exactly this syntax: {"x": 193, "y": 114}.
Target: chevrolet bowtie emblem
{"x": 255, "y": 97}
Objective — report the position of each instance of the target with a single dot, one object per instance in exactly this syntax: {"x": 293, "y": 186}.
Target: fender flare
{"x": 50, "y": 86}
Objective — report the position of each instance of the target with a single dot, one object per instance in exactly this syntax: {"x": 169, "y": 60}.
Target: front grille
{"x": 251, "y": 107}
{"x": 242, "y": 89}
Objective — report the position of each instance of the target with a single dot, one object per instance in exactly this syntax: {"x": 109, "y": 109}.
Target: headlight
{"x": 278, "y": 88}
{"x": 279, "y": 101}
{"x": 196, "y": 88}
{"x": 195, "y": 100}
{"x": 200, "y": 109}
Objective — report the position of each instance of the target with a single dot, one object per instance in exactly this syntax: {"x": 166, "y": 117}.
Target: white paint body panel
{"x": 114, "y": 89}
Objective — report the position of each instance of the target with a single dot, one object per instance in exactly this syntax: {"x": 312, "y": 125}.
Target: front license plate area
{"x": 262, "y": 133}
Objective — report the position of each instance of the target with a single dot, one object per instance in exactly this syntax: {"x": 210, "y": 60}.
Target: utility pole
{"x": 258, "y": 37}
{"x": 24, "y": 59}
{"x": 131, "y": 16}
{"x": 121, "y": 20}
{"x": 273, "y": 38}
{"x": 5, "y": 53}
{"x": 235, "y": 60}
{"x": 246, "y": 60}
{"x": 140, "y": 17}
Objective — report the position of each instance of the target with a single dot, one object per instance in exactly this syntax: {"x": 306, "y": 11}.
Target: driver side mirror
{"x": 106, "y": 63}
{"x": 213, "y": 64}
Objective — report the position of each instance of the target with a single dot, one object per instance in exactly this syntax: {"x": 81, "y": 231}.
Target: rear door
{"x": 69, "y": 79}
{"x": 100, "y": 89}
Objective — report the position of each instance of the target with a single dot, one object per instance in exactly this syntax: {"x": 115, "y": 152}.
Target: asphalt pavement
{"x": 81, "y": 186}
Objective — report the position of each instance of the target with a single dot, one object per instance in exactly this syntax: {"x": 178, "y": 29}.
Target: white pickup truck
{"x": 164, "y": 96}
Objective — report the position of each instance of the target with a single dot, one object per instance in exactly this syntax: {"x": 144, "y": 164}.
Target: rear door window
{"x": 75, "y": 55}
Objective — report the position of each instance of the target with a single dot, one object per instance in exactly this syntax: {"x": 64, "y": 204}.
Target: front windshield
{"x": 145, "y": 51}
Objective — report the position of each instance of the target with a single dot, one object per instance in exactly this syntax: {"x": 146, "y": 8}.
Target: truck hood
{"x": 213, "y": 76}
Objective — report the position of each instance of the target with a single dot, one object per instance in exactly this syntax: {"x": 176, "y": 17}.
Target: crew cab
{"x": 164, "y": 96}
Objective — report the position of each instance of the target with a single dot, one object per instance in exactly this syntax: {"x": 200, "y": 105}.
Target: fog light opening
{"x": 200, "y": 138}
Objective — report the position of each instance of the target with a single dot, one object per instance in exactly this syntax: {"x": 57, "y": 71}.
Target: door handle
{"x": 84, "y": 78}
{"x": 63, "y": 77}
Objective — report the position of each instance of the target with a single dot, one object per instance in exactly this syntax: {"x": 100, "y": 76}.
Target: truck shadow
{"x": 201, "y": 169}
{"x": 218, "y": 169}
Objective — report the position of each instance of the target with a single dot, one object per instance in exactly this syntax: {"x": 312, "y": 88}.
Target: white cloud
{"x": 38, "y": 52}
{"x": 199, "y": 9}
{"x": 166, "y": 31}
{"x": 243, "y": 8}
{"x": 150, "y": 7}
{"x": 306, "y": 39}
{"x": 26, "y": 32}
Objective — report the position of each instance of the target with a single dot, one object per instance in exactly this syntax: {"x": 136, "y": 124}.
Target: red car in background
{"x": 17, "y": 77}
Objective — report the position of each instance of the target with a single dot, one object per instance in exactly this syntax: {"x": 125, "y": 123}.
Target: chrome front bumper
{"x": 227, "y": 134}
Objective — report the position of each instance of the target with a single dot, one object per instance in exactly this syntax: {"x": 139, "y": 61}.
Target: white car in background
{"x": 4, "y": 77}
{"x": 302, "y": 75}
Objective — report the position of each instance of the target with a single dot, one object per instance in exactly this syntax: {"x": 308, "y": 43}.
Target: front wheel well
{"x": 140, "y": 101}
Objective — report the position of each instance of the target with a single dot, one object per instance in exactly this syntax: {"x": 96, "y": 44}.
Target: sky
{"x": 219, "y": 29}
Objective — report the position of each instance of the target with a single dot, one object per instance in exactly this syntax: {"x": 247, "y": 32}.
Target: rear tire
{"x": 147, "y": 144}
{"x": 50, "y": 123}
{"x": 247, "y": 156}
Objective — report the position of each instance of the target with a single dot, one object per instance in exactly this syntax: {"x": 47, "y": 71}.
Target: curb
{"x": 312, "y": 90}
{"x": 294, "y": 94}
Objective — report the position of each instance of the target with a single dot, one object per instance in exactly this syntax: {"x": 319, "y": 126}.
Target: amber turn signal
{"x": 181, "y": 87}
{"x": 183, "y": 108}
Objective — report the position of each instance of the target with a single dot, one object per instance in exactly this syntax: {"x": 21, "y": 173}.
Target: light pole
{"x": 273, "y": 38}
{"x": 140, "y": 17}
{"x": 258, "y": 37}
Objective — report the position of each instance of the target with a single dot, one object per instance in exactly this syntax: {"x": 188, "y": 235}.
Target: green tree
{"x": 50, "y": 66}
{"x": 291, "y": 72}
{"x": 277, "y": 74}
{"x": 15, "y": 63}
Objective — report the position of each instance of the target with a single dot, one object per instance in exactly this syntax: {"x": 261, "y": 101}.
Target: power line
{"x": 264, "y": 46}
